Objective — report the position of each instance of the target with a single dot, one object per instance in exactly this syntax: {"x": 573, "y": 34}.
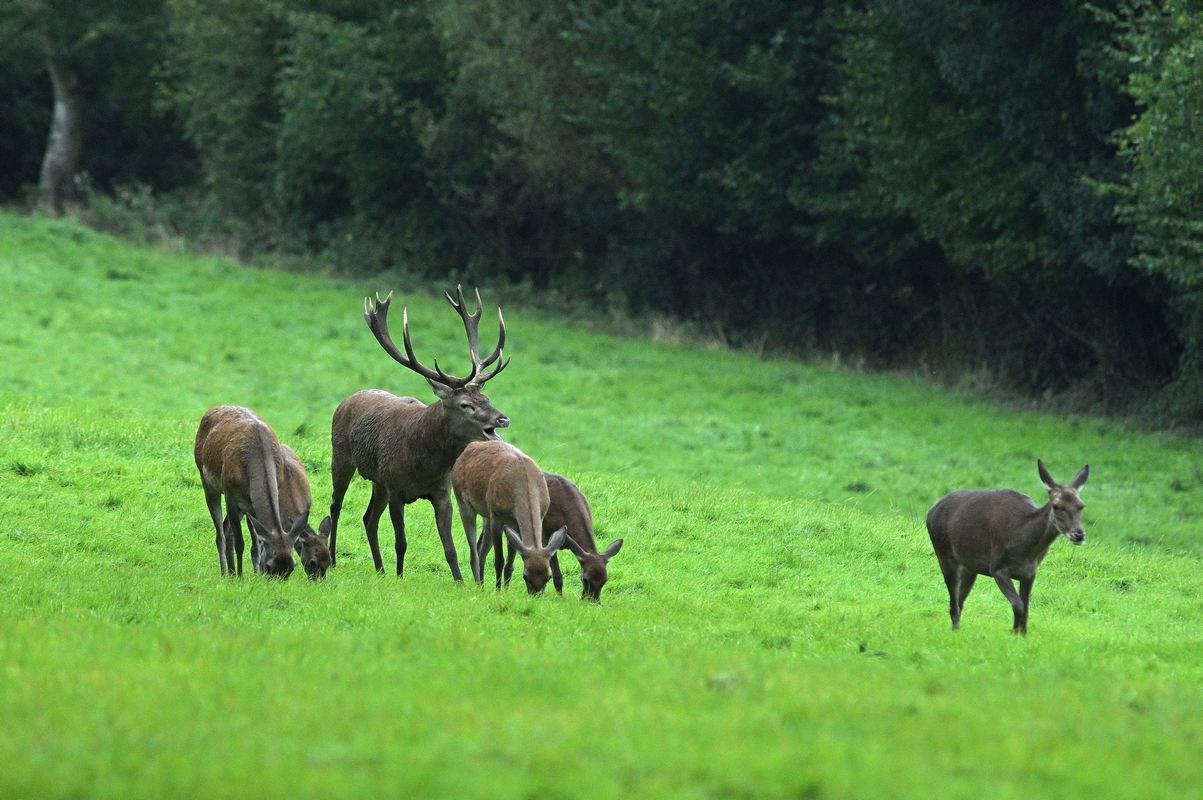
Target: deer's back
{"x": 380, "y": 433}
{"x": 973, "y": 526}
{"x": 295, "y": 495}
{"x": 500, "y": 480}
{"x": 232, "y": 443}
{"x": 567, "y": 506}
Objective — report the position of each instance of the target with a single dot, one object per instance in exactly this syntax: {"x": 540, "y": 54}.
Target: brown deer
{"x": 569, "y": 508}
{"x": 499, "y": 482}
{"x": 407, "y": 448}
{"x": 1002, "y": 534}
{"x": 240, "y": 458}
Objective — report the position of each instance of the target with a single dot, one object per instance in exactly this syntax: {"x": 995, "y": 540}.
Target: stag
{"x": 1005, "y": 535}
{"x": 499, "y": 482}
{"x": 240, "y": 458}
{"x": 407, "y": 448}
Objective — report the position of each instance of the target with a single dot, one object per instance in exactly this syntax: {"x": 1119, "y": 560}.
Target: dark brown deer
{"x": 407, "y": 448}
{"x": 240, "y": 458}
{"x": 570, "y": 509}
{"x": 499, "y": 482}
{"x": 1003, "y": 534}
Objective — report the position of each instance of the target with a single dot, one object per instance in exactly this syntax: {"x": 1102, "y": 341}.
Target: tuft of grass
{"x": 775, "y": 625}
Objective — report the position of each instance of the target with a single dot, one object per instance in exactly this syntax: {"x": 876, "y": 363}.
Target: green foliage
{"x": 775, "y": 625}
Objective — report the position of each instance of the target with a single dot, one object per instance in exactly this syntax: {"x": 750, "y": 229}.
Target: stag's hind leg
{"x": 396, "y": 512}
{"x": 371, "y": 523}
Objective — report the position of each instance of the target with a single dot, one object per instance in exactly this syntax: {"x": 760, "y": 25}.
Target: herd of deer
{"x": 412, "y": 451}
{"x": 409, "y": 451}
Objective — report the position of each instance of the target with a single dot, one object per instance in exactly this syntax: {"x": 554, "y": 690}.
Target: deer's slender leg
{"x": 1003, "y": 578}
{"x": 213, "y": 502}
{"x": 952, "y": 579}
{"x": 510, "y": 553}
{"x": 557, "y": 577}
{"x": 340, "y": 476}
{"x": 371, "y": 522}
{"x": 396, "y": 512}
{"x": 1025, "y": 594}
{"x": 498, "y": 551}
{"x": 967, "y": 581}
{"x": 467, "y": 517}
{"x": 483, "y": 544}
{"x": 235, "y": 536}
{"x": 442, "y": 520}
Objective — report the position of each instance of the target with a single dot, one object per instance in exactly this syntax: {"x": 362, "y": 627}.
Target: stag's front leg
{"x": 396, "y": 512}
{"x": 235, "y": 541}
{"x": 1003, "y": 578}
{"x": 557, "y": 577}
{"x": 442, "y": 520}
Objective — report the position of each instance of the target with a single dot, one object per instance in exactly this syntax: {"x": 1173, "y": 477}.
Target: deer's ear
{"x": 1081, "y": 477}
{"x": 576, "y": 549}
{"x": 323, "y": 530}
{"x": 515, "y": 539}
{"x": 612, "y": 550}
{"x": 557, "y": 539}
{"x": 441, "y": 390}
{"x": 298, "y": 526}
{"x": 1045, "y": 478}
{"x": 256, "y": 528}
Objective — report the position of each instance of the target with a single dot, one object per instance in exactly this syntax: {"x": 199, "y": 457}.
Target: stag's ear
{"x": 1045, "y": 478}
{"x": 441, "y": 390}
{"x": 557, "y": 539}
{"x": 576, "y": 549}
{"x": 612, "y": 550}
{"x": 515, "y": 540}
{"x": 323, "y": 531}
{"x": 1081, "y": 477}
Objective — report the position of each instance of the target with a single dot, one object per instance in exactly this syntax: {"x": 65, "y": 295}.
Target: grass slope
{"x": 774, "y": 627}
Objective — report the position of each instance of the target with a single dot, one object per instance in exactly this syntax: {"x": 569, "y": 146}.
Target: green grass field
{"x": 775, "y": 625}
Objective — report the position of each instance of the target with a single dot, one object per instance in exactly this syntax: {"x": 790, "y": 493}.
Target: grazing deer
{"x": 407, "y": 448}
{"x": 1002, "y": 534}
{"x": 240, "y": 458}
{"x": 499, "y": 482}
{"x": 570, "y": 509}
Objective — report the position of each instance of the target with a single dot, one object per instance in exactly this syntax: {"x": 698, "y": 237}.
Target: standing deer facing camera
{"x": 240, "y": 458}
{"x": 407, "y": 448}
{"x": 502, "y": 484}
{"x": 1002, "y": 534}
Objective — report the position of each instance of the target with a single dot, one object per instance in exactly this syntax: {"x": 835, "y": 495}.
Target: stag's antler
{"x": 472, "y": 326}
{"x": 376, "y": 315}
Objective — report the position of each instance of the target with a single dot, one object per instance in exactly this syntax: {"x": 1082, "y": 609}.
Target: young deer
{"x": 1002, "y": 534}
{"x": 499, "y": 482}
{"x": 407, "y": 448}
{"x": 570, "y": 509}
{"x": 240, "y": 458}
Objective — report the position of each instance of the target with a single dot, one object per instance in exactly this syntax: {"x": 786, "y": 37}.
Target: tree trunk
{"x": 61, "y": 162}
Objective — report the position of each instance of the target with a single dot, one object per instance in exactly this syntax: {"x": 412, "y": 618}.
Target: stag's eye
{"x": 469, "y": 408}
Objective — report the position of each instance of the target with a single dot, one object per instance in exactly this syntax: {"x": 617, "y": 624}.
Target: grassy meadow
{"x": 775, "y": 625}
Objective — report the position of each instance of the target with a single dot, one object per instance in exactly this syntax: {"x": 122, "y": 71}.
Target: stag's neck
{"x": 435, "y": 437}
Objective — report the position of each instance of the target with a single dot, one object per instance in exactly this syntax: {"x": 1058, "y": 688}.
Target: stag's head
{"x": 472, "y": 416}
{"x": 1067, "y": 506}
{"x": 273, "y": 550}
{"x": 593, "y": 567}
{"x": 536, "y": 561}
{"x": 314, "y": 549}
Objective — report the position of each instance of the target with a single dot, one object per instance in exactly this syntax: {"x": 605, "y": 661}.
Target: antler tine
{"x": 376, "y": 315}
{"x": 500, "y": 345}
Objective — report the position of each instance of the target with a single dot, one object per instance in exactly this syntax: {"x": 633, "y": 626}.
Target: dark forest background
{"x": 1010, "y": 191}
